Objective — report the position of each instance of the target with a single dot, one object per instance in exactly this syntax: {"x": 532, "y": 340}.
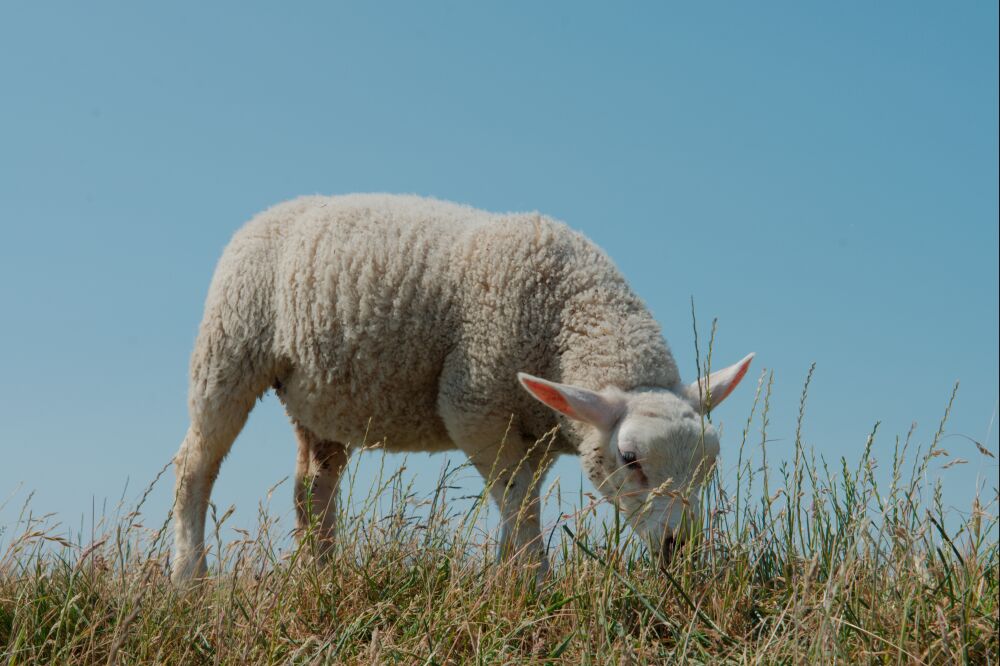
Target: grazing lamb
{"x": 415, "y": 322}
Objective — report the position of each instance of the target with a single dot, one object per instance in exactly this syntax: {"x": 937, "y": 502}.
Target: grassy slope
{"x": 827, "y": 567}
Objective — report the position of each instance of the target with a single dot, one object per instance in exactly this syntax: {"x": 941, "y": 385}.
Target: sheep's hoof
{"x": 187, "y": 572}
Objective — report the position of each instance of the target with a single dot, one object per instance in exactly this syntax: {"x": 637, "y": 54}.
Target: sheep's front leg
{"x": 518, "y": 499}
{"x": 513, "y": 477}
{"x": 317, "y": 477}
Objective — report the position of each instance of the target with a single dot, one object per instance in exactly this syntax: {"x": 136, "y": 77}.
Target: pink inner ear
{"x": 549, "y": 396}
{"x": 735, "y": 381}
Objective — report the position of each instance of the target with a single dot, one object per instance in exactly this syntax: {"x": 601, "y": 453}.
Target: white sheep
{"x": 409, "y": 321}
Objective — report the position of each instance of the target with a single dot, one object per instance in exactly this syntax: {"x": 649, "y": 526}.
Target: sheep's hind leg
{"x": 317, "y": 476}
{"x": 214, "y": 426}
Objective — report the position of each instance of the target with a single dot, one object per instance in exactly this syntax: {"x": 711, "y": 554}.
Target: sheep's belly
{"x": 398, "y": 418}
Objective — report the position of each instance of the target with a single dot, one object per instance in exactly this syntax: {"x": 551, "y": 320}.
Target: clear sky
{"x": 822, "y": 177}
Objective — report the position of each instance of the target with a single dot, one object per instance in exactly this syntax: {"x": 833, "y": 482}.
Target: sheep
{"x": 428, "y": 326}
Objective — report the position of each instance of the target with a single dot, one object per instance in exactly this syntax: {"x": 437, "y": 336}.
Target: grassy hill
{"x": 811, "y": 562}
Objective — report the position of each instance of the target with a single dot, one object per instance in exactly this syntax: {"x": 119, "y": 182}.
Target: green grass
{"x": 808, "y": 561}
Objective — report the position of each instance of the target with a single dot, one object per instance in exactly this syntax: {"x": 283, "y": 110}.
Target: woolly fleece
{"x": 404, "y": 320}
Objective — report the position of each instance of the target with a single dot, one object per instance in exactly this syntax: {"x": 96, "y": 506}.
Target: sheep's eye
{"x": 629, "y": 458}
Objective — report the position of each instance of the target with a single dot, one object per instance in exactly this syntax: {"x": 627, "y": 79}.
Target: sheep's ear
{"x": 577, "y": 403}
{"x": 708, "y": 392}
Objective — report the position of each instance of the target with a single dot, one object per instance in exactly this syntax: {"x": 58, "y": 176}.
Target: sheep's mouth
{"x": 667, "y": 547}
{"x": 663, "y": 553}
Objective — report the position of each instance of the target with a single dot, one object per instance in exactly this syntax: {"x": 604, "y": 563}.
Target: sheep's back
{"x": 383, "y": 303}
{"x": 363, "y": 307}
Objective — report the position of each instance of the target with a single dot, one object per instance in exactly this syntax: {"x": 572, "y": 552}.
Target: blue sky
{"x": 821, "y": 178}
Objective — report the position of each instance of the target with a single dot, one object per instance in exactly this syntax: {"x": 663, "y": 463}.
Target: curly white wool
{"x": 406, "y": 320}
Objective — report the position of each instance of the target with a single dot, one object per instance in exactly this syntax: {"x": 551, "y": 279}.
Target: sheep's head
{"x": 649, "y": 450}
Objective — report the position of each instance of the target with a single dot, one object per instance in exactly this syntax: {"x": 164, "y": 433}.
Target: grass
{"x": 808, "y": 562}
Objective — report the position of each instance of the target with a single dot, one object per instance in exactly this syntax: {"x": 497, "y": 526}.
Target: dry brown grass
{"x": 829, "y": 567}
